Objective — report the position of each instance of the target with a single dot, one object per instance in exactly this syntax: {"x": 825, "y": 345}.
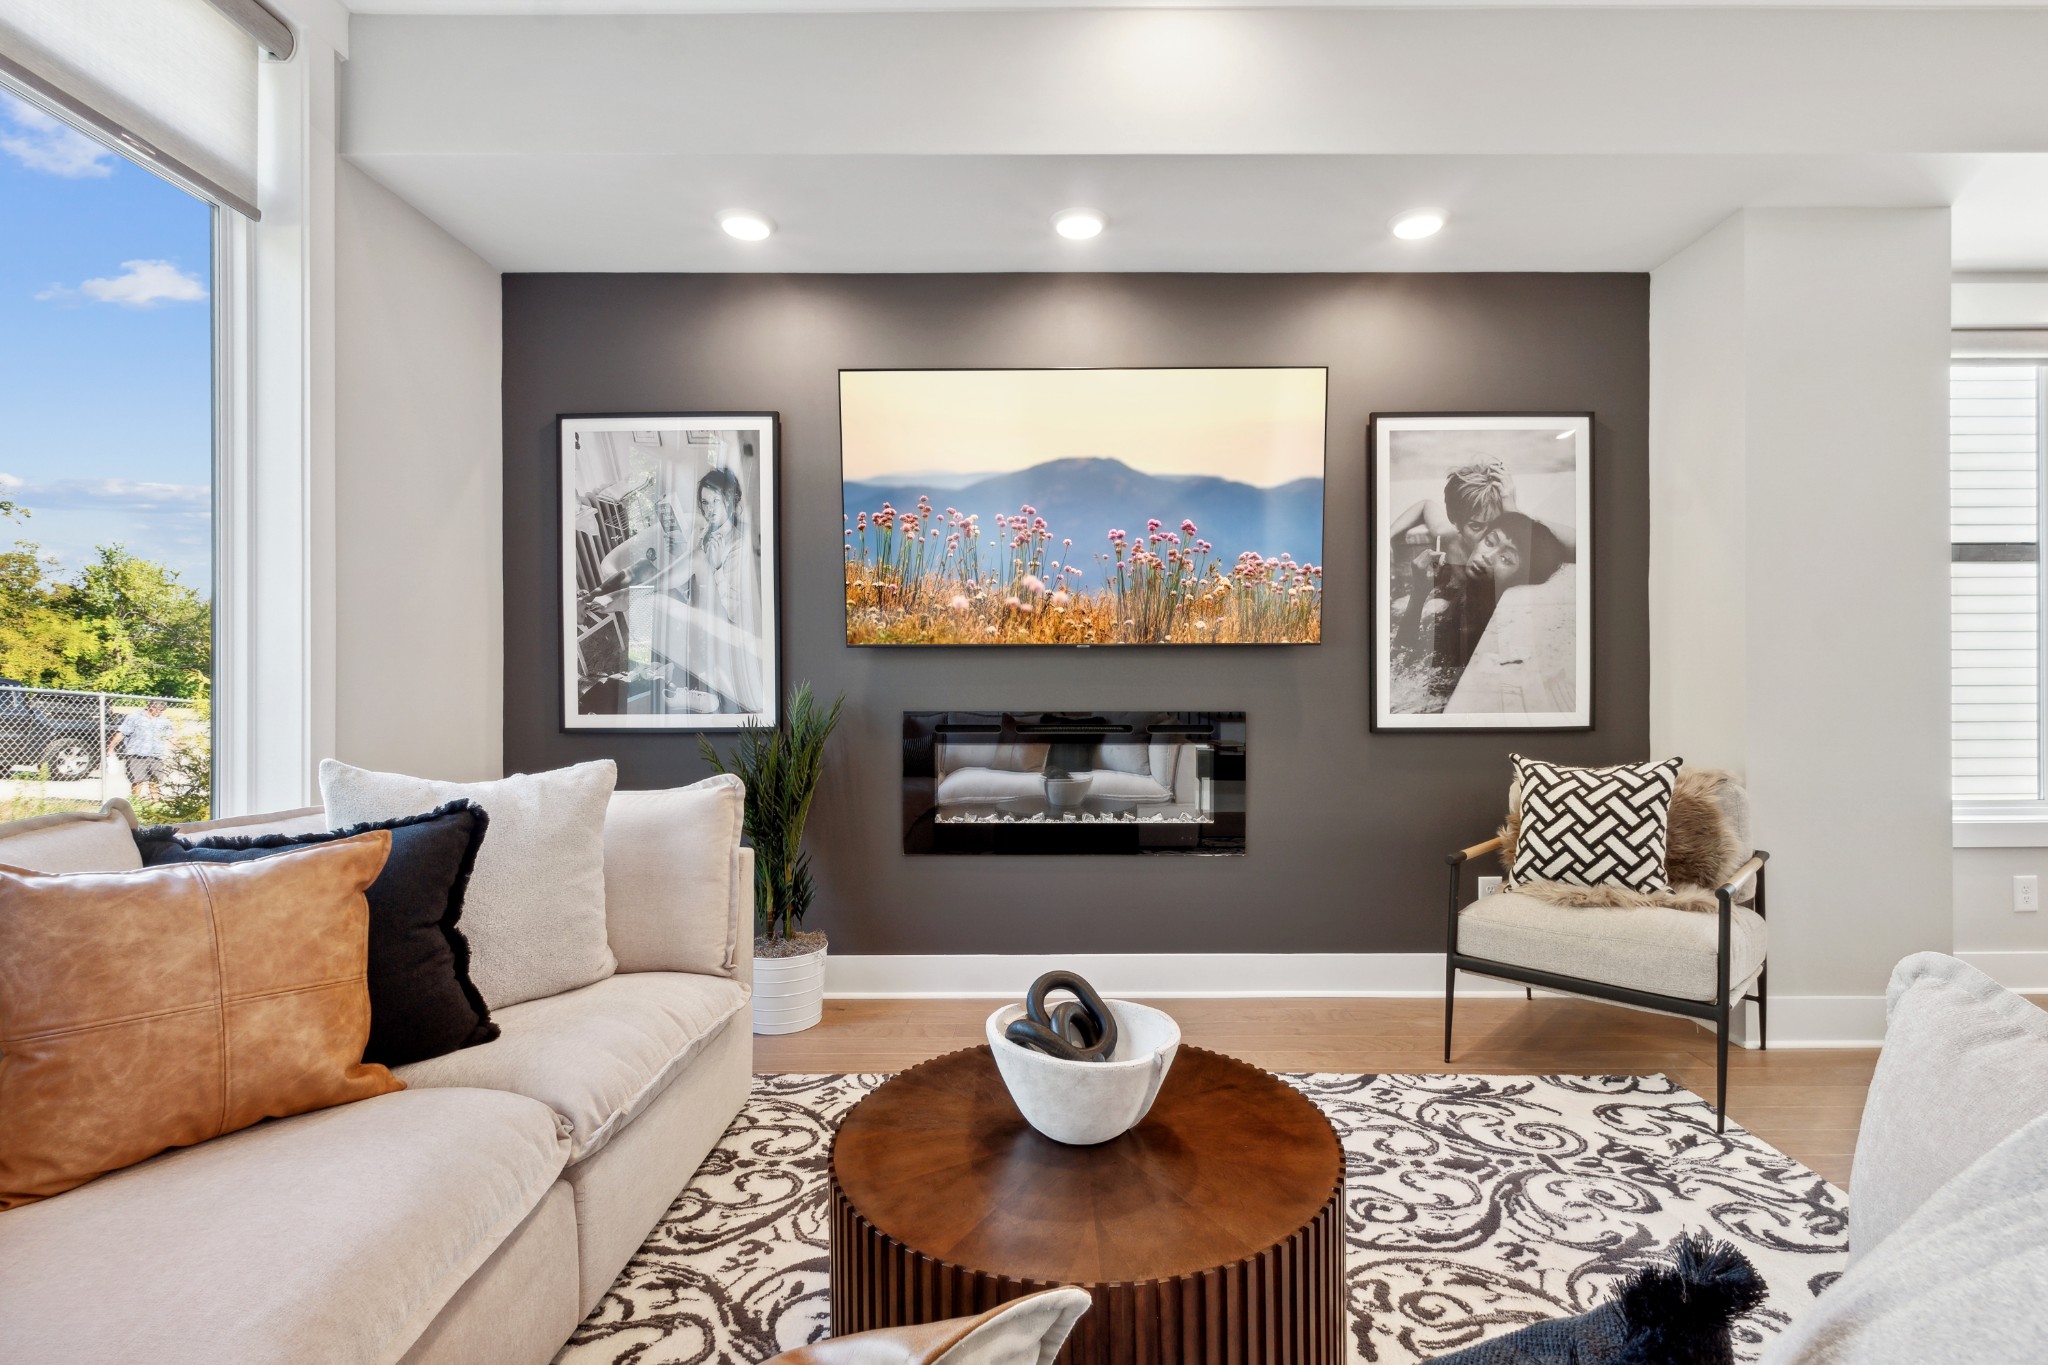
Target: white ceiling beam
{"x": 1204, "y": 82}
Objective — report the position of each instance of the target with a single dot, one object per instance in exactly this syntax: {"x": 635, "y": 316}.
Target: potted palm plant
{"x": 781, "y": 765}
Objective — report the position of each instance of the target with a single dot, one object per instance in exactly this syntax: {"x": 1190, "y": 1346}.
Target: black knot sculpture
{"x": 1078, "y": 1030}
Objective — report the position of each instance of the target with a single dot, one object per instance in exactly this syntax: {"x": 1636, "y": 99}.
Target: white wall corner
{"x": 1799, "y": 395}
{"x": 1699, "y": 570}
{"x": 418, "y": 492}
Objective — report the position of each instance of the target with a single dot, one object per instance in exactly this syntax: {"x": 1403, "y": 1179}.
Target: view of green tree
{"x": 39, "y": 645}
{"x": 155, "y": 635}
{"x": 121, "y": 624}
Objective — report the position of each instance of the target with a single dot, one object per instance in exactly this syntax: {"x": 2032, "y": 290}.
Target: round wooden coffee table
{"x": 1213, "y": 1231}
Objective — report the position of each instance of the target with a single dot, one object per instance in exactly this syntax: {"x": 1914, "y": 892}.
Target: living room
{"x": 722, "y": 681}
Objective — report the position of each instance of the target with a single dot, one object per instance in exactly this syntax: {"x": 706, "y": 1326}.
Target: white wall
{"x": 2013, "y": 948}
{"x": 419, "y": 623}
{"x": 1798, "y": 389}
{"x": 1699, "y": 566}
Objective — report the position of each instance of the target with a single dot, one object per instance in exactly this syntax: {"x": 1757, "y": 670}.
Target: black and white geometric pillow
{"x": 1595, "y": 826}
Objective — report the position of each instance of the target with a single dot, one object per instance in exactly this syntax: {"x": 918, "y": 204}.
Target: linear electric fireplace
{"x": 1115, "y": 782}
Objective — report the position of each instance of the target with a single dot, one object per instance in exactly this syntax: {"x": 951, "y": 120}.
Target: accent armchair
{"x": 1685, "y": 962}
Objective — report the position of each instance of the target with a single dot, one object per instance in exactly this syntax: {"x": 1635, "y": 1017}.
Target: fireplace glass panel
{"x": 1121, "y": 782}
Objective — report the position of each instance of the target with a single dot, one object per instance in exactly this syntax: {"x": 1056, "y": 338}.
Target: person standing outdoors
{"x": 144, "y": 740}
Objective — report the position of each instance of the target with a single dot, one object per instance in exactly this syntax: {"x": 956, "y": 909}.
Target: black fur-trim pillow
{"x": 422, "y": 1002}
{"x": 1683, "y": 1314}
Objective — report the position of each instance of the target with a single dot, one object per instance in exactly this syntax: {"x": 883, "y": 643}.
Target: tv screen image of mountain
{"x": 1083, "y": 507}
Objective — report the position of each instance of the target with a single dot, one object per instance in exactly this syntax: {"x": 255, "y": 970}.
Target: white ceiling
{"x": 908, "y": 213}
{"x": 1213, "y": 140}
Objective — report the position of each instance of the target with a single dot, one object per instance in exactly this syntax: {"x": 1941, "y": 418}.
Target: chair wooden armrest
{"x": 1728, "y": 889}
{"x": 1465, "y": 855}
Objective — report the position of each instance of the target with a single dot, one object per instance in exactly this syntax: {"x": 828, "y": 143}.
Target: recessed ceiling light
{"x": 1078, "y": 224}
{"x": 747, "y": 226}
{"x": 1566, "y": 434}
{"x": 1417, "y": 223}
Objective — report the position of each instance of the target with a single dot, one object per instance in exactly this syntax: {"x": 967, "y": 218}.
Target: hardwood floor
{"x": 1805, "y": 1102}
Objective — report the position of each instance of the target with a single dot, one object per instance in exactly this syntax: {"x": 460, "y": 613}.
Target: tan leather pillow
{"x": 159, "y": 1008}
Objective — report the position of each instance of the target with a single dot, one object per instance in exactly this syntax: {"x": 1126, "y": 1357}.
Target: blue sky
{"x": 106, "y": 351}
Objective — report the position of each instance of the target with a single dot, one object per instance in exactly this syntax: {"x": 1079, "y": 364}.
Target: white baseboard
{"x": 2026, "y": 972}
{"x": 1826, "y": 1020}
{"x": 1003, "y": 976}
{"x": 1796, "y": 1021}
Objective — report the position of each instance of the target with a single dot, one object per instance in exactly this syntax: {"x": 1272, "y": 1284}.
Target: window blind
{"x": 171, "y": 82}
{"x": 1995, "y": 639}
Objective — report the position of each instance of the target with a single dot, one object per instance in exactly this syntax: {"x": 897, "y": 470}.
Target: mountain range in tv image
{"x": 1084, "y": 498}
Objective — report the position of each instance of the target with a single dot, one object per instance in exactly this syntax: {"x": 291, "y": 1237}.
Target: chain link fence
{"x": 62, "y": 750}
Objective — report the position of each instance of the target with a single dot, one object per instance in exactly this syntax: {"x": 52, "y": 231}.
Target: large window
{"x": 1995, "y": 585}
{"x": 106, "y": 459}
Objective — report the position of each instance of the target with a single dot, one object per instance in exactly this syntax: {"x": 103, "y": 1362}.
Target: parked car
{"x": 55, "y": 734}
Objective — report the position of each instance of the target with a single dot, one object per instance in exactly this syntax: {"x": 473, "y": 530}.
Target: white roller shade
{"x": 1995, "y": 583}
{"x": 171, "y": 81}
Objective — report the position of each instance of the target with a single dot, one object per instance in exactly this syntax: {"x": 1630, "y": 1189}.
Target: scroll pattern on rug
{"x": 1475, "y": 1204}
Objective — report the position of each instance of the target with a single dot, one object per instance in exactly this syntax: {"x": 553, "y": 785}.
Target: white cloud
{"x": 42, "y": 142}
{"x": 129, "y": 495}
{"x": 141, "y": 284}
{"x": 171, "y": 523}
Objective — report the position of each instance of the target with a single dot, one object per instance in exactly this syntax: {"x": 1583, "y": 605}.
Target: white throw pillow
{"x": 534, "y": 913}
{"x": 959, "y": 754}
{"x": 1965, "y": 1064}
{"x": 1960, "y": 1282}
{"x": 100, "y": 840}
{"x": 1127, "y": 786}
{"x": 967, "y": 785}
{"x": 1595, "y": 826}
{"x": 1130, "y": 755}
{"x": 672, "y": 895}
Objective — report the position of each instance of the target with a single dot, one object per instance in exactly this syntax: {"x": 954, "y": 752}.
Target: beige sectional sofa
{"x": 476, "y": 1216}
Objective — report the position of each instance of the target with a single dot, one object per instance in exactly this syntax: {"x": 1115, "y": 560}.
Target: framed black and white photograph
{"x": 670, "y": 593}
{"x": 1482, "y": 570}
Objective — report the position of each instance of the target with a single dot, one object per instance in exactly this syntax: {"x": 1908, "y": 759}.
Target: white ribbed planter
{"x": 789, "y": 992}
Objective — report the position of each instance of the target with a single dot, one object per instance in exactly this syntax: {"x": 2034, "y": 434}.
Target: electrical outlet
{"x": 2026, "y": 894}
{"x": 1488, "y": 885}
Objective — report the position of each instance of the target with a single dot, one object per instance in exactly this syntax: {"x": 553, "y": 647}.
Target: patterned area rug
{"x": 1476, "y": 1204}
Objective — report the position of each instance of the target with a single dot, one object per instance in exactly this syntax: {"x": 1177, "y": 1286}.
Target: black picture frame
{"x": 1528, "y": 669}
{"x": 721, "y": 658}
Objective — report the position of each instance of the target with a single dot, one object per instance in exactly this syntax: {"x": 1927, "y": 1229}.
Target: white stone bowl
{"x": 1083, "y": 1103}
{"x": 1065, "y": 793}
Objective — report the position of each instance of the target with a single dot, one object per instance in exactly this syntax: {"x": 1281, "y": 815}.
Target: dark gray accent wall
{"x": 1347, "y": 828}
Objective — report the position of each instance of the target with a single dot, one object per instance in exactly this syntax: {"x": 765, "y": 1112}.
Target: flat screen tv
{"x": 1083, "y": 507}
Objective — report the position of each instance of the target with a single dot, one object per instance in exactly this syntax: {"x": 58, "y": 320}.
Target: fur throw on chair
{"x": 1704, "y": 848}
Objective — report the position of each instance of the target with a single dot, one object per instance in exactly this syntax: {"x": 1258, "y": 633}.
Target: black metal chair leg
{"x": 1528, "y": 992}
{"x": 1721, "y": 1072}
{"x": 1763, "y": 1009}
{"x": 1763, "y": 973}
{"x": 1450, "y": 996}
